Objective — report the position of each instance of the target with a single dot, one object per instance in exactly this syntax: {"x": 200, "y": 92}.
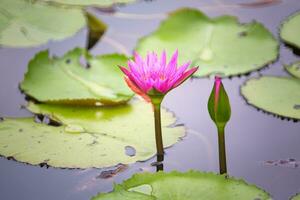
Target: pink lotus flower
{"x": 154, "y": 74}
{"x": 152, "y": 78}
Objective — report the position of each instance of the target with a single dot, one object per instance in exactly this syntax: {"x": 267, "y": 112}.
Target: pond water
{"x": 252, "y": 137}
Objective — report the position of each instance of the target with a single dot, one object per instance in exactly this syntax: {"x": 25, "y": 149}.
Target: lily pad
{"x": 191, "y": 185}
{"x": 277, "y": 95}
{"x": 220, "y": 46}
{"x": 290, "y": 30}
{"x": 89, "y": 137}
{"x": 27, "y": 23}
{"x": 98, "y": 3}
{"x": 296, "y": 197}
{"x": 70, "y": 81}
{"x": 293, "y": 69}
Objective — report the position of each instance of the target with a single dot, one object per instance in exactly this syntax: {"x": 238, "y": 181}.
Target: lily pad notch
{"x": 219, "y": 46}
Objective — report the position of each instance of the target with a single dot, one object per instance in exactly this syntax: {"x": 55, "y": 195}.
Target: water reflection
{"x": 159, "y": 163}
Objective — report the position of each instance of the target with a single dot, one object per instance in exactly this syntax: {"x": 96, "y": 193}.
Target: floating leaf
{"x": 28, "y": 23}
{"x": 290, "y": 30}
{"x": 90, "y": 137}
{"x": 218, "y": 46}
{"x": 296, "y": 197}
{"x": 66, "y": 80}
{"x": 121, "y": 194}
{"x": 96, "y": 29}
{"x": 98, "y": 3}
{"x": 191, "y": 185}
{"x": 277, "y": 95}
{"x": 294, "y": 69}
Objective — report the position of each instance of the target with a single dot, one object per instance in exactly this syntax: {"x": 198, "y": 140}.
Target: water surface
{"x": 252, "y": 136}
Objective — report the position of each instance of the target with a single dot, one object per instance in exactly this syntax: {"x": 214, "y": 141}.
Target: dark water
{"x": 252, "y": 137}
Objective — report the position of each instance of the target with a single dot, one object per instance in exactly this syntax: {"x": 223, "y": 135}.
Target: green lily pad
{"x": 296, "y": 197}
{"x": 89, "y": 137}
{"x": 190, "y": 185}
{"x": 98, "y": 3}
{"x": 293, "y": 69}
{"x": 220, "y": 46}
{"x": 290, "y": 30}
{"x": 27, "y": 23}
{"x": 277, "y": 95}
{"x": 66, "y": 80}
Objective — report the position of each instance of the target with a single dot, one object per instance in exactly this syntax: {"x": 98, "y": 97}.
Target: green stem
{"x": 222, "y": 151}
{"x": 158, "y": 133}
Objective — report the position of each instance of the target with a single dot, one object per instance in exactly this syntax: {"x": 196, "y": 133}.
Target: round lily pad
{"x": 192, "y": 185}
{"x": 296, "y": 197}
{"x": 89, "y": 137}
{"x": 290, "y": 30}
{"x": 277, "y": 95}
{"x": 76, "y": 78}
{"x": 98, "y": 3}
{"x": 28, "y": 23}
{"x": 293, "y": 69}
{"x": 220, "y": 46}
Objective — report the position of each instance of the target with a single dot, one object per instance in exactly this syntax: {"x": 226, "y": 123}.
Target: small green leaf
{"x": 89, "y": 137}
{"x": 96, "y": 28}
{"x": 290, "y": 30}
{"x": 219, "y": 105}
{"x": 296, "y": 197}
{"x": 277, "y": 95}
{"x": 66, "y": 80}
{"x": 190, "y": 185}
{"x": 28, "y": 23}
{"x": 293, "y": 69}
{"x": 220, "y": 46}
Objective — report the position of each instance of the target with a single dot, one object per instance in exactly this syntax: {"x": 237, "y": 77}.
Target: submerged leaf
{"x": 191, "y": 185}
{"x": 28, "y": 23}
{"x": 65, "y": 80}
{"x": 96, "y": 28}
{"x": 293, "y": 69}
{"x": 219, "y": 46}
{"x": 290, "y": 30}
{"x": 99, "y": 138}
{"x": 277, "y": 95}
{"x": 98, "y": 3}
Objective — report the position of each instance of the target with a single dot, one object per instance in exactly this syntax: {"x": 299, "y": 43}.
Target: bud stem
{"x": 222, "y": 151}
